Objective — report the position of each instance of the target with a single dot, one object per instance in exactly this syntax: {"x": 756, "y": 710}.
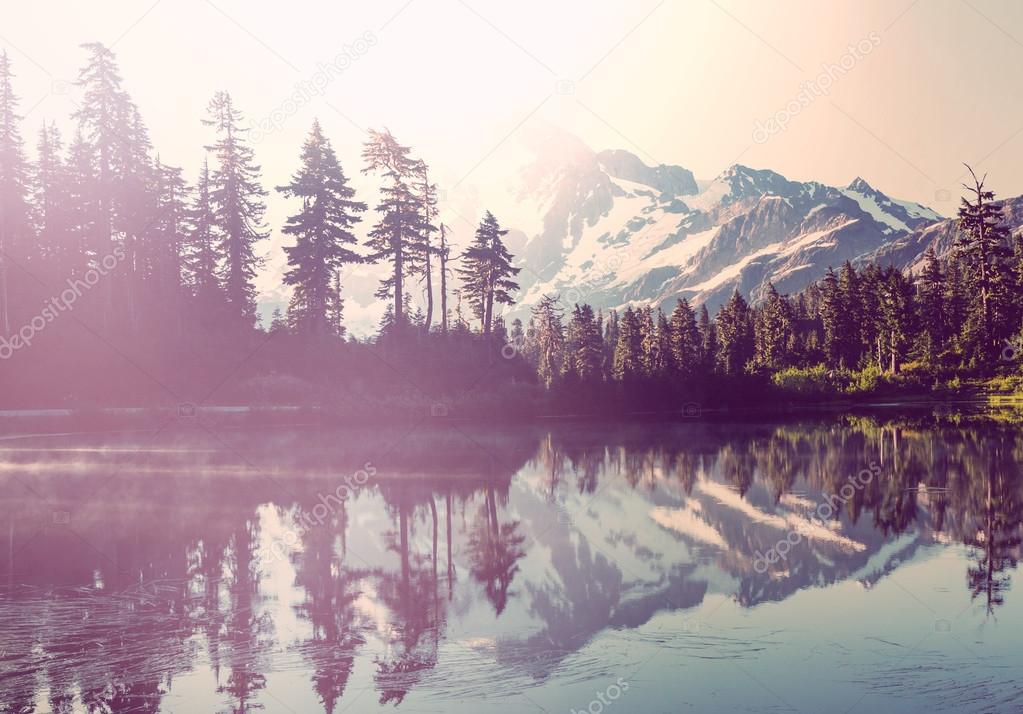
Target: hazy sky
{"x": 675, "y": 81}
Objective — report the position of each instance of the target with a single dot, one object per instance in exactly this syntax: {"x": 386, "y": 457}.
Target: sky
{"x": 900, "y": 92}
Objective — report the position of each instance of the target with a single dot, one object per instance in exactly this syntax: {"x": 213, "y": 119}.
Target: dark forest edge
{"x": 123, "y": 286}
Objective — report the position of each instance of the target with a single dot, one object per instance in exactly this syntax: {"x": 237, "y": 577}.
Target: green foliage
{"x": 816, "y": 381}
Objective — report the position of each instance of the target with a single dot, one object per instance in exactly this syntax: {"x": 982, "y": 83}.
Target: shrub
{"x": 810, "y": 381}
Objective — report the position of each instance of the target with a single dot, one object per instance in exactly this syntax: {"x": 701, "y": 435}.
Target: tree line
{"x": 960, "y": 313}
{"x": 188, "y": 255}
{"x": 180, "y": 262}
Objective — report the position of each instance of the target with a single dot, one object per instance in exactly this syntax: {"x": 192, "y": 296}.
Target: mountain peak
{"x": 860, "y": 186}
{"x": 743, "y": 181}
{"x": 669, "y": 180}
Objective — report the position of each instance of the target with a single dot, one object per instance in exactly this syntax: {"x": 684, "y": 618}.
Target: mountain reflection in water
{"x": 526, "y": 568}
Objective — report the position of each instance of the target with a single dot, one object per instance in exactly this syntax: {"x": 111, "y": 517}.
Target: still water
{"x": 834, "y": 564}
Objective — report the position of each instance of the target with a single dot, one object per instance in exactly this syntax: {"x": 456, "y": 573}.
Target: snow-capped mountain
{"x": 907, "y": 251}
{"x": 611, "y": 230}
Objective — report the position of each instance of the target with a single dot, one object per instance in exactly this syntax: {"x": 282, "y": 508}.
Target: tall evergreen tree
{"x": 648, "y": 340}
{"x": 200, "y": 259}
{"x": 931, "y": 294}
{"x": 773, "y": 331}
{"x": 664, "y": 362}
{"x": 832, "y": 321}
{"x": 443, "y": 256}
{"x": 165, "y": 243}
{"x": 16, "y": 241}
{"x": 871, "y": 280}
{"x": 897, "y": 316}
{"x": 628, "y": 358}
{"x": 849, "y": 316}
{"x": 107, "y": 129}
{"x": 397, "y": 237}
{"x": 685, "y": 340}
{"x": 323, "y": 233}
{"x": 610, "y": 345}
{"x": 708, "y": 340}
{"x": 53, "y": 207}
{"x": 427, "y": 195}
{"x": 583, "y": 348}
{"x": 549, "y": 339}
{"x": 238, "y": 202}
{"x": 983, "y": 246}
{"x": 735, "y": 335}
{"x": 487, "y": 272}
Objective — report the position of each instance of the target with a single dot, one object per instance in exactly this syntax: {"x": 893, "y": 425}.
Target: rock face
{"x": 611, "y": 231}
{"x": 671, "y": 181}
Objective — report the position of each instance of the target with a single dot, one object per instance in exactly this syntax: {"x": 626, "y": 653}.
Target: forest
{"x": 122, "y": 283}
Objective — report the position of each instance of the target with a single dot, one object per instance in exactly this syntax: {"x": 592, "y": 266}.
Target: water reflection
{"x": 147, "y": 576}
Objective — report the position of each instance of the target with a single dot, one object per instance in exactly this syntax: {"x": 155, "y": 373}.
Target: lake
{"x": 834, "y": 563}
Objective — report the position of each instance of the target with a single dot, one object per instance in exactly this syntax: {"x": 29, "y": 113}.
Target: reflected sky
{"x": 841, "y": 564}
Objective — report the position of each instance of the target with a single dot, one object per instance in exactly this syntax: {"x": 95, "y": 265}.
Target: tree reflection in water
{"x": 107, "y": 611}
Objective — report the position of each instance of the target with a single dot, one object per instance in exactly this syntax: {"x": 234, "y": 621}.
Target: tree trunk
{"x": 488, "y": 314}
{"x": 443, "y": 281}
{"x": 399, "y": 315}
{"x": 5, "y": 316}
{"x": 429, "y": 287}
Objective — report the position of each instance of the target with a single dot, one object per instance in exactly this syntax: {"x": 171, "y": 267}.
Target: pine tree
{"x": 708, "y": 341}
{"x": 16, "y": 243}
{"x": 427, "y": 195}
{"x": 323, "y": 231}
{"x": 82, "y": 216}
{"x": 549, "y": 339}
{"x": 53, "y": 208}
{"x": 931, "y": 291}
{"x": 238, "y": 207}
{"x": 200, "y": 260}
{"x": 664, "y": 364}
{"x": 897, "y": 316}
{"x": 162, "y": 267}
{"x": 335, "y": 307}
{"x": 397, "y": 237}
{"x": 871, "y": 280}
{"x": 648, "y": 340}
{"x": 517, "y": 336}
{"x": 628, "y": 358}
{"x": 773, "y": 331}
{"x": 107, "y": 130}
{"x": 982, "y": 245}
{"x": 735, "y": 335}
{"x": 957, "y": 302}
{"x": 443, "y": 256}
{"x": 611, "y": 332}
{"x": 583, "y": 348}
{"x": 848, "y": 338}
{"x": 832, "y": 321}
{"x": 138, "y": 199}
{"x": 277, "y": 323}
{"x": 685, "y": 340}
{"x": 486, "y": 272}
